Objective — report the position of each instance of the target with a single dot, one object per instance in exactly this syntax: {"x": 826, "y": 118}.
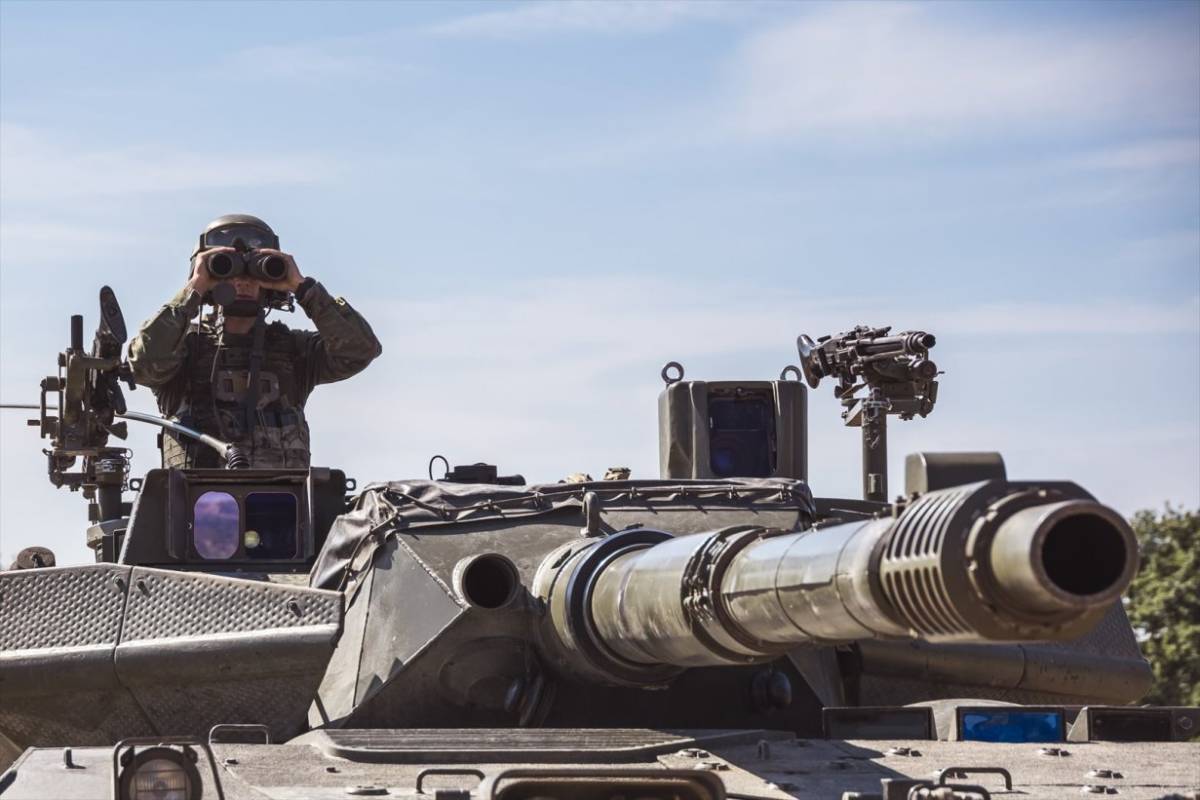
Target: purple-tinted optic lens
{"x": 216, "y": 529}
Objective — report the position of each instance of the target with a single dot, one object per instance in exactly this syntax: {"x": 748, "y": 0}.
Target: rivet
{"x": 1102, "y": 773}
{"x": 693, "y": 752}
{"x": 1052, "y": 751}
{"x": 715, "y": 766}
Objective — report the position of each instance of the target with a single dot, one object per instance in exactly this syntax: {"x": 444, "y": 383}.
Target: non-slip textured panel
{"x": 61, "y": 606}
{"x": 165, "y": 604}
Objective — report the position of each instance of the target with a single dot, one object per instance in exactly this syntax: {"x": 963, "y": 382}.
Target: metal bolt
{"x": 1102, "y": 773}
{"x": 693, "y": 752}
{"x": 331, "y": 769}
{"x": 294, "y": 607}
{"x": 1185, "y": 723}
{"x": 904, "y": 751}
{"x": 68, "y": 763}
{"x": 1052, "y": 751}
{"x": 231, "y": 762}
{"x": 764, "y": 750}
{"x": 714, "y": 766}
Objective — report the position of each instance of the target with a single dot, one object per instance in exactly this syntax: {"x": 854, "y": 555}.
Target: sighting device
{"x": 253, "y": 264}
{"x": 896, "y": 374}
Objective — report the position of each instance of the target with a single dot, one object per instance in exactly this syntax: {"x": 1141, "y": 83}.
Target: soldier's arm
{"x": 159, "y": 348}
{"x": 344, "y": 343}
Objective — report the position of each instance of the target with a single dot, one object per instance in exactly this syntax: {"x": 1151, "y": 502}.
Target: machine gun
{"x": 897, "y": 375}
{"x": 89, "y": 399}
{"x": 79, "y": 410}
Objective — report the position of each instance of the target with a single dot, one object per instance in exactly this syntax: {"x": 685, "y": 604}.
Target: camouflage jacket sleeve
{"x": 160, "y": 347}
{"x": 344, "y": 343}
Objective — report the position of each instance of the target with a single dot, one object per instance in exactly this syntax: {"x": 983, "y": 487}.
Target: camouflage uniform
{"x": 200, "y": 378}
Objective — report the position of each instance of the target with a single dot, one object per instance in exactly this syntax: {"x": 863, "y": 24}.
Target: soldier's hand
{"x": 290, "y": 283}
{"x": 201, "y": 279}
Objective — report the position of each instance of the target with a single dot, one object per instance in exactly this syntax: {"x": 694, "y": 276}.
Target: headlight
{"x": 161, "y": 773}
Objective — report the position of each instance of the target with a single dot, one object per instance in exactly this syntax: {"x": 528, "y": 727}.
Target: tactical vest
{"x": 213, "y": 401}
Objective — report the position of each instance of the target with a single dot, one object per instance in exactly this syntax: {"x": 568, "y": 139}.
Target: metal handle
{"x": 232, "y": 726}
{"x": 425, "y": 773}
{"x": 962, "y": 772}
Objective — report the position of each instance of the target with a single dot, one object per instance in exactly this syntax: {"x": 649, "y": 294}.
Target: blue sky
{"x": 537, "y": 205}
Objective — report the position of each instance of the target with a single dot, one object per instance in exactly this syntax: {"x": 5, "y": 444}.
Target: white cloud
{"x": 378, "y": 54}
{"x": 1165, "y": 250}
{"x": 1149, "y": 155}
{"x": 550, "y": 361}
{"x": 868, "y": 70}
{"x": 1104, "y": 317}
{"x": 302, "y": 61}
{"x": 37, "y": 166}
{"x": 584, "y": 16}
{"x": 44, "y": 242}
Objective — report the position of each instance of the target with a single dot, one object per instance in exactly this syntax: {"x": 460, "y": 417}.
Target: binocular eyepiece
{"x": 267, "y": 267}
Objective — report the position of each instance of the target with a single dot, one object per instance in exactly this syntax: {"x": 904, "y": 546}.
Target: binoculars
{"x": 252, "y": 264}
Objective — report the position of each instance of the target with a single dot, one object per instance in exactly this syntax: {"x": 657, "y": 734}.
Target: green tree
{"x": 1164, "y": 603}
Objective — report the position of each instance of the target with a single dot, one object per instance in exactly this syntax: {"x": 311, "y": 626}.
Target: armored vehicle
{"x": 717, "y": 631}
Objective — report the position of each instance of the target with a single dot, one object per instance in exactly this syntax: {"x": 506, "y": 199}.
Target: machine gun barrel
{"x": 912, "y": 343}
{"x": 987, "y": 562}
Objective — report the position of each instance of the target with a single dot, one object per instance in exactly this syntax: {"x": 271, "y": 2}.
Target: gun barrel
{"x": 989, "y": 562}
{"x": 907, "y": 343}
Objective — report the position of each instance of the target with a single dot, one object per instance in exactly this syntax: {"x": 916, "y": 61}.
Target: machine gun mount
{"x": 897, "y": 375}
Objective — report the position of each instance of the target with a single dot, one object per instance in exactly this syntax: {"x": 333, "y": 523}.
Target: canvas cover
{"x": 409, "y": 505}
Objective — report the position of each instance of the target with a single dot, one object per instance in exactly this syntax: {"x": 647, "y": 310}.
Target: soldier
{"x": 232, "y": 375}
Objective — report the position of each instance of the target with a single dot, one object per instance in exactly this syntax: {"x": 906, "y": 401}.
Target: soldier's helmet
{"x": 232, "y": 229}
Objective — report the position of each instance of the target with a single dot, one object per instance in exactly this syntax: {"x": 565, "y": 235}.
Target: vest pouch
{"x": 281, "y": 439}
